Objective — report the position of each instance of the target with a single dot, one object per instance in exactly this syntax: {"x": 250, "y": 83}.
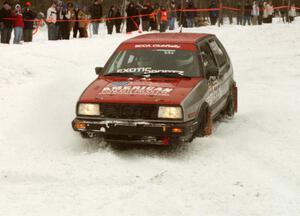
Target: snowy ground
{"x": 249, "y": 166}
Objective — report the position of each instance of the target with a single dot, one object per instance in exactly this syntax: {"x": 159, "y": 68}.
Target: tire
{"x": 202, "y": 122}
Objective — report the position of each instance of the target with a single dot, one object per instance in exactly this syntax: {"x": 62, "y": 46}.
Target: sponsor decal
{"x": 172, "y": 46}
{"x": 120, "y": 83}
{"x": 148, "y": 70}
{"x": 136, "y": 90}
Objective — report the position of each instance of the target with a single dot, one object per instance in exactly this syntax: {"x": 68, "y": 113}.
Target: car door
{"x": 208, "y": 54}
{"x": 224, "y": 78}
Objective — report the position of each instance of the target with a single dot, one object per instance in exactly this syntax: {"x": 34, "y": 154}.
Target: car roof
{"x": 162, "y": 38}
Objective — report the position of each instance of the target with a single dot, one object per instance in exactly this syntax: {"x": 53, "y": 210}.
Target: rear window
{"x": 155, "y": 62}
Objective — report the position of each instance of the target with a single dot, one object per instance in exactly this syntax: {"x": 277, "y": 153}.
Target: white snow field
{"x": 249, "y": 166}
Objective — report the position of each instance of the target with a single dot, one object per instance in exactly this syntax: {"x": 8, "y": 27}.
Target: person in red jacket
{"x": 18, "y": 24}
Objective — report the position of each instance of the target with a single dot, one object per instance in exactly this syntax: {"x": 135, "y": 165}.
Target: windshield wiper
{"x": 122, "y": 74}
{"x": 166, "y": 74}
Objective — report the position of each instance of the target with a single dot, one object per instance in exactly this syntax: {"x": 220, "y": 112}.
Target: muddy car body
{"x": 159, "y": 89}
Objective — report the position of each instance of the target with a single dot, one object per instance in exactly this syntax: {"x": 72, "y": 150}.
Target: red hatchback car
{"x": 159, "y": 89}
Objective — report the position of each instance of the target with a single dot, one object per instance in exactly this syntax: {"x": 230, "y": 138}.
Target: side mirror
{"x": 99, "y": 70}
{"x": 212, "y": 71}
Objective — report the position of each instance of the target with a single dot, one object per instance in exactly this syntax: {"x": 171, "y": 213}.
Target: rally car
{"x": 159, "y": 89}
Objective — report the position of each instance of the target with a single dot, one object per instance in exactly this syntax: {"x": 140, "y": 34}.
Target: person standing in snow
{"x": 145, "y": 17}
{"x": 292, "y": 13}
{"x": 110, "y": 22}
{"x": 131, "y": 24}
{"x": 96, "y": 12}
{"x": 6, "y": 22}
{"x": 51, "y": 20}
{"x": 270, "y": 12}
{"x": 18, "y": 24}
{"x": 255, "y": 13}
{"x": 118, "y": 22}
{"x": 172, "y": 15}
{"x": 247, "y": 13}
{"x": 213, "y": 14}
{"x": 29, "y": 16}
{"x": 190, "y": 15}
{"x": 65, "y": 16}
{"x": 163, "y": 19}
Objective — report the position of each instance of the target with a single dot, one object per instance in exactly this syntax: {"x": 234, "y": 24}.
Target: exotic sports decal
{"x": 148, "y": 70}
{"x": 122, "y": 88}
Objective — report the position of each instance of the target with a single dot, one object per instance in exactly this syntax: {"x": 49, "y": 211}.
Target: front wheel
{"x": 204, "y": 123}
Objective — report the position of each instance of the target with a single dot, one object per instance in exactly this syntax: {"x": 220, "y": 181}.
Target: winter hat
{"x": 18, "y": 6}
{"x": 28, "y": 4}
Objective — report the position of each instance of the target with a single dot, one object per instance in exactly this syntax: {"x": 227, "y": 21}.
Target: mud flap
{"x": 208, "y": 128}
{"x": 235, "y": 95}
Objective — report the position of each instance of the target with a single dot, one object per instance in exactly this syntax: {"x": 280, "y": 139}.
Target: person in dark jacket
{"x": 131, "y": 24}
{"x": 65, "y": 15}
{"x": 247, "y": 13}
{"x": 118, "y": 21}
{"x": 190, "y": 15}
{"x": 110, "y": 22}
{"x": 146, "y": 17}
{"x": 7, "y": 23}
{"x": 213, "y": 14}
{"x": 96, "y": 12}
{"x": 29, "y": 16}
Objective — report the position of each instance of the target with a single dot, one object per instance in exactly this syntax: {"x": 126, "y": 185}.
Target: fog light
{"x": 177, "y": 130}
{"x": 79, "y": 125}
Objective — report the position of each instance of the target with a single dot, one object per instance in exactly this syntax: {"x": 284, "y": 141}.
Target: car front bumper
{"x": 129, "y": 131}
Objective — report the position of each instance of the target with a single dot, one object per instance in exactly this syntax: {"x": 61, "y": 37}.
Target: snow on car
{"x": 159, "y": 89}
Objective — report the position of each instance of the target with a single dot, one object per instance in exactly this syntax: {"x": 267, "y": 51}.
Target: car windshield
{"x": 154, "y": 63}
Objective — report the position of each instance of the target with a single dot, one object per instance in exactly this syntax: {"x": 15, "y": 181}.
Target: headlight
{"x": 89, "y": 109}
{"x": 170, "y": 112}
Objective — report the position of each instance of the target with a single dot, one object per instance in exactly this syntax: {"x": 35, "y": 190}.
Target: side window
{"x": 207, "y": 56}
{"x": 220, "y": 56}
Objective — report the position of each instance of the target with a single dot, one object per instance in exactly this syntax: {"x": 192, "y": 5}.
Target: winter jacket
{"x": 190, "y": 14}
{"x": 163, "y": 16}
{"x": 110, "y": 15}
{"x": 8, "y": 23}
{"x": 96, "y": 11}
{"x": 248, "y": 10}
{"x": 146, "y": 11}
{"x": 292, "y": 12}
{"x": 214, "y": 13}
{"x": 18, "y": 20}
{"x": 28, "y": 15}
{"x": 51, "y": 15}
{"x": 80, "y": 15}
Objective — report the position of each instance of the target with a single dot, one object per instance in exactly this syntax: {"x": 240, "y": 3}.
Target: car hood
{"x": 139, "y": 90}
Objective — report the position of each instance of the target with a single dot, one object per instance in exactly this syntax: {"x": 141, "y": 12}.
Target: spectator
{"x": 292, "y": 13}
{"x": 146, "y": 17}
{"x": 96, "y": 12}
{"x": 190, "y": 15}
{"x": 270, "y": 12}
{"x": 7, "y": 23}
{"x": 65, "y": 16}
{"x": 172, "y": 15}
{"x": 255, "y": 13}
{"x": 110, "y": 21}
{"x": 59, "y": 20}
{"x": 239, "y": 17}
{"x": 154, "y": 17}
{"x": 163, "y": 19}
{"x": 213, "y": 14}
{"x": 131, "y": 24}
{"x": 51, "y": 20}
{"x": 118, "y": 21}
{"x": 29, "y": 16}
{"x": 260, "y": 16}
{"x": 18, "y": 24}
{"x": 247, "y": 13}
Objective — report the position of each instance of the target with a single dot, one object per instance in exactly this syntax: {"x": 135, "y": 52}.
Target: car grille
{"x": 129, "y": 111}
